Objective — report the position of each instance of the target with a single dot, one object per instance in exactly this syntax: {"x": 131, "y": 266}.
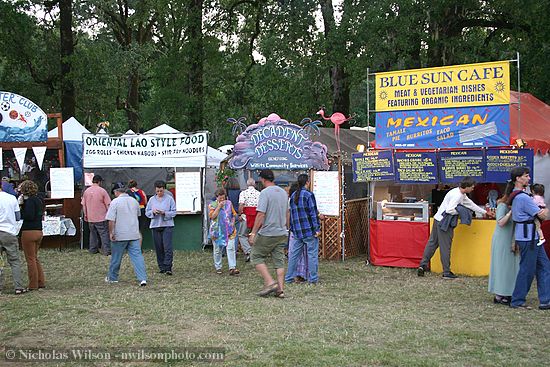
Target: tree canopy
{"x": 192, "y": 64}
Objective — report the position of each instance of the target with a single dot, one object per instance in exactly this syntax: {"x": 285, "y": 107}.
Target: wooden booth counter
{"x": 69, "y": 208}
{"x": 471, "y": 249}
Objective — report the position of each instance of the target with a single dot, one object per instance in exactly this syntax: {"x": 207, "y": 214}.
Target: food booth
{"x": 434, "y": 127}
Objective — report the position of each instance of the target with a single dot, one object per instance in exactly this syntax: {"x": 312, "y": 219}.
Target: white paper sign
{"x": 188, "y": 192}
{"x": 327, "y": 194}
{"x": 20, "y": 157}
{"x": 39, "y": 153}
{"x": 62, "y": 183}
{"x": 1, "y": 158}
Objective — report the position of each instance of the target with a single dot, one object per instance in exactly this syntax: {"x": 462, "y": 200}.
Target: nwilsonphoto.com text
{"x": 18, "y": 354}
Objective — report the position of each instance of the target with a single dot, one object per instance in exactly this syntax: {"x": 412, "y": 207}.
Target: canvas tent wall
{"x": 72, "y": 139}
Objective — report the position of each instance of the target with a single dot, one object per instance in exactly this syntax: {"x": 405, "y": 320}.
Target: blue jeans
{"x": 231, "y": 257}
{"x": 162, "y": 237}
{"x": 134, "y": 252}
{"x": 534, "y": 262}
{"x": 312, "y": 246}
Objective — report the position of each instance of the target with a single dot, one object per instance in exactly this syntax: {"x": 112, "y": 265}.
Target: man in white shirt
{"x": 122, "y": 216}
{"x": 9, "y": 215}
{"x": 443, "y": 239}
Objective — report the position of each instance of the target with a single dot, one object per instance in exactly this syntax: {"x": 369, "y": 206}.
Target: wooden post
{"x": 61, "y": 149}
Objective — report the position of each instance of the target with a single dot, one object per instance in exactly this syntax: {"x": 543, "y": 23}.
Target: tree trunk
{"x": 132, "y": 102}
{"x": 197, "y": 65}
{"x": 335, "y": 51}
{"x": 67, "y": 49}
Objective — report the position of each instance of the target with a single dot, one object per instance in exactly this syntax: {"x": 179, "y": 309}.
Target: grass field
{"x": 358, "y": 315}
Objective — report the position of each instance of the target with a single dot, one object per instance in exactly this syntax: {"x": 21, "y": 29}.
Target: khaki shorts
{"x": 265, "y": 246}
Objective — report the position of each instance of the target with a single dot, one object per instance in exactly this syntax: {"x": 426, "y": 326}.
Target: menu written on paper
{"x": 188, "y": 192}
{"x": 416, "y": 167}
{"x": 374, "y": 165}
{"x": 327, "y": 194}
{"x": 62, "y": 183}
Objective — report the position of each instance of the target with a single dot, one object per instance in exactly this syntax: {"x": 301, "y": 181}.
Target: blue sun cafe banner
{"x": 373, "y": 165}
{"x": 444, "y": 128}
{"x": 501, "y": 161}
{"x": 454, "y": 165}
{"x": 21, "y": 120}
{"x": 416, "y": 167}
{"x": 277, "y": 144}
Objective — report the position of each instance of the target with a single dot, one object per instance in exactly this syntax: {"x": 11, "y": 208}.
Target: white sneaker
{"x": 107, "y": 280}
{"x": 541, "y": 242}
{"x": 143, "y": 283}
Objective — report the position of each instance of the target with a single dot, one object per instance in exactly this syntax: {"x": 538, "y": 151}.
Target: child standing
{"x": 538, "y": 197}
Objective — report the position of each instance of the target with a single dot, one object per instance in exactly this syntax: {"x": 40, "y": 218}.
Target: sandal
{"x": 234, "y": 272}
{"x": 21, "y": 290}
{"x": 218, "y": 271}
{"x": 279, "y": 294}
{"x": 268, "y": 290}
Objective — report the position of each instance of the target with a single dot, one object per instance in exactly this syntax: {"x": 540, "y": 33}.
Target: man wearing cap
{"x": 269, "y": 234}
{"x": 95, "y": 202}
{"x": 7, "y": 187}
{"x": 124, "y": 232}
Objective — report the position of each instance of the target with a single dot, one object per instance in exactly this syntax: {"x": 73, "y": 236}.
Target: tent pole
{"x": 519, "y": 97}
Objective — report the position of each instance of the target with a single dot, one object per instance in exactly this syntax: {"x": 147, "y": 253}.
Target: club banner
{"x": 373, "y": 165}
{"x": 418, "y": 167}
{"x": 21, "y": 120}
{"x": 454, "y": 165}
{"x": 444, "y": 128}
{"x": 501, "y": 161}
{"x": 155, "y": 150}
{"x": 468, "y": 85}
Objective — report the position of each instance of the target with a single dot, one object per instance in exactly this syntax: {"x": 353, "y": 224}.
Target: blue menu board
{"x": 454, "y": 165}
{"x": 501, "y": 161}
{"x": 373, "y": 165}
{"x": 416, "y": 167}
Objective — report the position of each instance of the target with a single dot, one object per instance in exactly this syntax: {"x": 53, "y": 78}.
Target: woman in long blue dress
{"x": 504, "y": 261}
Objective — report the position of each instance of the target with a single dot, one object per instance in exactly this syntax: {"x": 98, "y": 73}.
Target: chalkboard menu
{"x": 416, "y": 167}
{"x": 457, "y": 164}
{"x": 374, "y": 165}
{"x": 501, "y": 161}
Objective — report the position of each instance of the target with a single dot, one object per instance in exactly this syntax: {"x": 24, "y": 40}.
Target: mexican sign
{"x": 412, "y": 167}
{"x": 454, "y": 165}
{"x": 444, "y": 128}
{"x": 149, "y": 150}
{"x": 501, "y": 161}
{"x": 21, "y": 120}
{"x": 277, "y": 144}
{"x": 484, "y": 84}
{"x": 373, "y": 165}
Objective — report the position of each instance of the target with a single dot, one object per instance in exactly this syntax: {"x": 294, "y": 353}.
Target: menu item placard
{"x": 454, "y": 165}
{"x": 373, "y": 165}
{"x": 415, "y": 167}
{"x": 501, "y": 161}
{"x": 326, "y": 188}
{"x": 62, "y": 183}
{"x": 188, "y": 192}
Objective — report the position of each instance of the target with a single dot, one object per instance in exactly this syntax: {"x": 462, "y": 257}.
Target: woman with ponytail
{"x": 504, "y": 261}
{"x": 305, "y": 228}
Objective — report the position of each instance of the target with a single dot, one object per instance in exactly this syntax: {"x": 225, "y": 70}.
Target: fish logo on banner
{"x": 21, "y": 120}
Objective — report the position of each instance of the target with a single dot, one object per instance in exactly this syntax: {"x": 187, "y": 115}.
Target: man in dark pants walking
{"x": 443, "y": 238}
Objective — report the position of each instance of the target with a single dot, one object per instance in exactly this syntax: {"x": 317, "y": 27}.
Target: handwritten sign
{"x": 501, "y": 161}
{"x": 483, "y": 84}
{"x": 62, "y": 183}
{"x": 454, "y": 165}
{"x": 188, "y": 192}
{"x": 373, "y": 165}
{"x": 326, "y": 188}
{"x": 418, "y": 167}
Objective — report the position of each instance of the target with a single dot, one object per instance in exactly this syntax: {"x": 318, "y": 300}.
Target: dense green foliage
{"x": 192, "y": 64}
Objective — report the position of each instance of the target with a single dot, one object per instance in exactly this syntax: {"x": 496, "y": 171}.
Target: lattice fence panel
{"x": 331, "y": 248}
{"x": 356, "y": 227}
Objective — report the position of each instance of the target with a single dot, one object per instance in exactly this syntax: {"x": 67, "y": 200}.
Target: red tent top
{"x": 534, "y": 124}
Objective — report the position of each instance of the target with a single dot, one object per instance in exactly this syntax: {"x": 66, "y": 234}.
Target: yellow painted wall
{"x": 471, "y": 249}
